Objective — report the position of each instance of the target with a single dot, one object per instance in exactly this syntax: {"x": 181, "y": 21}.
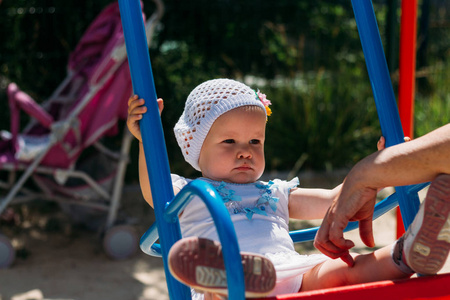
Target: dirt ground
{"x": 57, "y": 260}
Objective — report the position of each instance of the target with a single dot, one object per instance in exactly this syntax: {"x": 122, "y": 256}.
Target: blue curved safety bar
{"x": 224, "y": 226}
{"x": 149, "y": 238}
{"x": 225, "y": 229}
{"x": 148, "y": 243}
{"x": 150, "y": 247}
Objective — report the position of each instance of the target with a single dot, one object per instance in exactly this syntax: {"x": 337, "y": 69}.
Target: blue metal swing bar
{"x": 158, "y": 165}
{"x": 384, "y": 95}
{"x": 167, "y": 206}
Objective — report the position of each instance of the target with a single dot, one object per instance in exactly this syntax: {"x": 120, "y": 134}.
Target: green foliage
{"x": 263, "y": 37}
{"x": 433, "y": 110}
{"x": 303, "y": 55}
{"x": 321, "y": 121}
{"x": 37, "y": 37}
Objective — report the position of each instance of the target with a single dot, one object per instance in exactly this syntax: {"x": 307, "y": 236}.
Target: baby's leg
{"x": 367, "y": 268}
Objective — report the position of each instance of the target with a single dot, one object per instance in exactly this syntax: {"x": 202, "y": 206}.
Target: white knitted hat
{"x": 204, "y": 105}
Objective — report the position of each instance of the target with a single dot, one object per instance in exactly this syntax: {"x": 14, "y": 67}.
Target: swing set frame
{"x": 167, "y": 206}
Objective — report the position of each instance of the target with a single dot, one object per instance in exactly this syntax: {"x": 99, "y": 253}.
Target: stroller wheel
{"x": 120, "y": 242}
{"x": 7, "y": 252}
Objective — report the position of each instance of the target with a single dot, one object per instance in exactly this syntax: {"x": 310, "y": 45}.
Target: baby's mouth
{"x": 244, "y": 168}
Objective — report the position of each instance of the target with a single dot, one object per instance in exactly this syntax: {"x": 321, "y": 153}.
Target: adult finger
{"x": 323, "y": 243}
{"x": 348, "y": 259}
{"x": 339, "y": 248}
{"x": 326, "y": 245}
{"x": 329, "y": 249}
{"x": 337, "y": 224}
{"x": 344, "y": 255}
{"x": 366, "y": 232}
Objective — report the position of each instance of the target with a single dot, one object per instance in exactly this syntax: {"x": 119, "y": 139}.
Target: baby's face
{"x": 233, "y": 150}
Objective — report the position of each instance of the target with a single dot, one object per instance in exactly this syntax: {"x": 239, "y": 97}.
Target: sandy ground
{"x": 64, "y": 262}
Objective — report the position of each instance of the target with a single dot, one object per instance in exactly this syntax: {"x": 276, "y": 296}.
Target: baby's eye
{"x": 255, "y": 142}
{"x": 229, "y": 141}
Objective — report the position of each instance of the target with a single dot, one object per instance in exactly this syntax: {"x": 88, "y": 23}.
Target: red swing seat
{"x": 429, "y": 287}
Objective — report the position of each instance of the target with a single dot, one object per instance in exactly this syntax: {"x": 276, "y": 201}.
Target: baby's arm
{"x": 310, "y": 204}
{"x": 136, "y": 109}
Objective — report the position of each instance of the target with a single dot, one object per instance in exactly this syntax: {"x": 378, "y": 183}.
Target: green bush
{"x": 433, "y": 109}
{"x": 321, "y": 122}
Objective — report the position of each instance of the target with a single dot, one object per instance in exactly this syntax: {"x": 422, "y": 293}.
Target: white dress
{"x": 260, "y": 214}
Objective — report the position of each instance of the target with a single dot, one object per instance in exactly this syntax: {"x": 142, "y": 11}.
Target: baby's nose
{"x": 244, "y": 153}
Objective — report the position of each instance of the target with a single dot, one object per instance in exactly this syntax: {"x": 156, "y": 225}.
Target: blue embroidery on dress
{"x": 255, "y": 210}
{"x": 266, "y": 199}
{"x": 227, "y": 195}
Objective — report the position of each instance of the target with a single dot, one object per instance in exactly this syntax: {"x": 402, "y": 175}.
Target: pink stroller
{"x": 85, "y": 108}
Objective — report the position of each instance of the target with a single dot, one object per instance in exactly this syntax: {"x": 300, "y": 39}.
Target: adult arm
{"x": 417, "y": 161}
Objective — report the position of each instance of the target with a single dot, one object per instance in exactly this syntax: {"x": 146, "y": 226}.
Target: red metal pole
{"x": 407, "y": 62}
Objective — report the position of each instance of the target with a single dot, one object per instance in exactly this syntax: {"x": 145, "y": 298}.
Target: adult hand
{"x": 352, "y": 204}
{"x": 419, "y": 160}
